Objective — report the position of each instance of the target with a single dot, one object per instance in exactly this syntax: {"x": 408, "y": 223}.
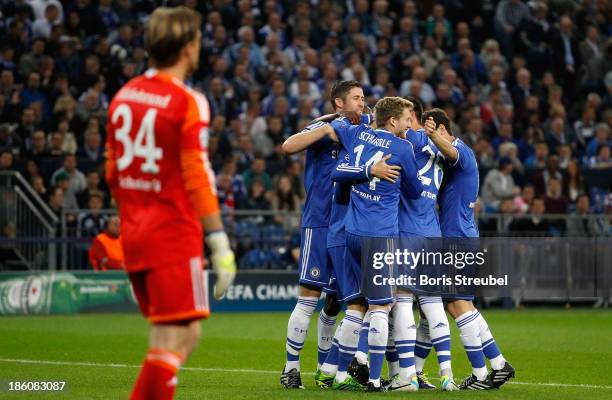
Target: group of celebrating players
{"x": 366, "y": 183}
{"x": 158, "y": 171}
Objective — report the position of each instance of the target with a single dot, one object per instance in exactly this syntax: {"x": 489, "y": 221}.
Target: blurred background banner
{"x": 540, "y": 270}
{"x": 63, "y": 293}
{"x": 23, "y": 293}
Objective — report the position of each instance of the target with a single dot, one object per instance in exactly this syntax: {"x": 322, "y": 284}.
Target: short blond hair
{"x": 390, "y": 107}
{"x": 168, "y": 31}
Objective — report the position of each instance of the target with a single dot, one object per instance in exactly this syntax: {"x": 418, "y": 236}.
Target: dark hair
{"x": 581, "y": 195}
{"x": 440, "y": 118}
{"x": 285, "y": 200}
{"x": 417, "y": 106}
{"x": 340, "y": 90}
{"x": 96, "y": 194}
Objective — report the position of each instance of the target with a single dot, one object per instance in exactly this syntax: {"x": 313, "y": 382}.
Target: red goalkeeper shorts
{"x": 173, "y": 293}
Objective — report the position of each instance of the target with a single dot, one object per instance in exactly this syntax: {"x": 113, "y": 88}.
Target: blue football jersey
{"x": 373, "y": 208}
{"x": 321, "y": 158}
{"x": 459, "y": 194}
{"x": 336, "y": 235}
{"x": 419, "y": 217}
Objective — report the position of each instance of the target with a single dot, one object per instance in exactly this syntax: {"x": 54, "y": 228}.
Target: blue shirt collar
{"x": 384, "y": 131}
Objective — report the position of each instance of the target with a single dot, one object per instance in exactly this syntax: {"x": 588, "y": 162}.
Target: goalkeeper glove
{"x": 223, "y": 261}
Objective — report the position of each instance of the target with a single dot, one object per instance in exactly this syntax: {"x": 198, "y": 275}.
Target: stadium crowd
{"x": 528, "y": 86}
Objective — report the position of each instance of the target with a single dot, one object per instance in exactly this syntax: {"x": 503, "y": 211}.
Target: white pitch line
{"x": 254, "y": 371}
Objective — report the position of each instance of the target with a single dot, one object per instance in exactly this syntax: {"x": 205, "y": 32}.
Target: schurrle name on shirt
{"x": 374, "y": 141}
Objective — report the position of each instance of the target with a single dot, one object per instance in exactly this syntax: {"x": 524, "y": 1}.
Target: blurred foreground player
{"x": 160, "y": 176}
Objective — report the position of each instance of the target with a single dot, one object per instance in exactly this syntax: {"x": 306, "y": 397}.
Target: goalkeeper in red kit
{"x": 160, "y": 176}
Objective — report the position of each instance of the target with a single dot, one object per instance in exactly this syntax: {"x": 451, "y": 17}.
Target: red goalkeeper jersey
{"x": 158, "y": 170}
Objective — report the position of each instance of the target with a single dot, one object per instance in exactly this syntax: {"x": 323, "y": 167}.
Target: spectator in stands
{"x": 535, "y": 224}
{"x": 418, "y": 80}
{"x": 38, "y": 184}
{"x": 32, "y": 93}
{"x": 602, "y": 136}
{"x": 564, "y": 153}
{"x": 285, "y": 200}
{"x": 225, "y": 193}
{"x": 585, "y": 127}
{"x": 295, "y": 172}
{"x": 31, "y": 170}
{"x": 56, "y": 201}
{"x": 31, "y": 62}
{"x": 602, "y": 160}
{"x": 246, "y": 39}
{"x": 579, "y": 224}
{"x": 77, "y": 178}
{"x": 6, "y": 160}
{"x": 491, "y": 56}
{"x": 556, "y": 202}
{"x": 557, "y": 135}
{"x": 472, "y": 131}
{"x": 573, "y": 185}
{"x": 499, "y": 184}
{"x": 257, "y": 199}
{"x": 521, "y": 91}
{"x": 92, "y": 148}
{"x": 538, "y": 159}
{"x": 27, "y": 124}
{"x": 91, "y": 105}
{"x": 35, "y": 146}
{"x": 257, "y": 171}
{"x": 107, "y": 15}
{"x": 504, "y": 136}
{"x": 56, "y": 145}
{"x": 485, "y": 155}
{"x": 69, "y": 143}
{"x": 245, "y": 153}
{"x": 9, "y": 140}
{"x": 509, "y": 16}
{"x": 276, "y": 135}
{"x": 507, "y": 210}
{"x": 93, "y": 188}
{"x": 510, "y": 150}
{"x": 7, "y": 83}
{"x": 540, "y": 181}
{"x": 93, "y": 222}
{"x": 566, "y": 56}
{"x": 62, "y": 180}
{"x": 106, "y": 252}
{"x": 522, "y": 202}
{"x": 42, "y": 26}
{"x": 496, "y": 81}
{"x": 91, "y": 74}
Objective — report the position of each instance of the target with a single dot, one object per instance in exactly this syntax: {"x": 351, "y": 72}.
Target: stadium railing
{"x": 28, "y": 227}
{"x": 559, "y": 264}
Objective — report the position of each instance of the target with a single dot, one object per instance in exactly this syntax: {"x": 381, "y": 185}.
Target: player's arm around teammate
{"x": 443, "y": 140}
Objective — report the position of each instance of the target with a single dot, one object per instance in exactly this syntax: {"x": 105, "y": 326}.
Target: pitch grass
{"x": 545, "y": 346}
